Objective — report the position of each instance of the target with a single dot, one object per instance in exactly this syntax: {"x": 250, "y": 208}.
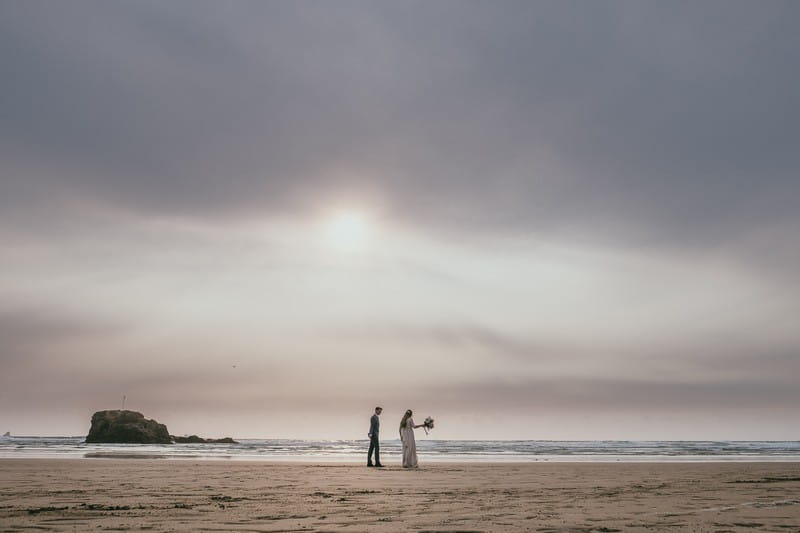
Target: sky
{"x": 528, "y": 220}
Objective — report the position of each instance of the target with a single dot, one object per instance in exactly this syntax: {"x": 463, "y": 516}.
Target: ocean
{"x": 428, "y": 449}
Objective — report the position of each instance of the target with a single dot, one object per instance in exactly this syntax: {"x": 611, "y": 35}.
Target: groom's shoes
{"x": 370, "y": 464}
{"x": 378, "y": 465}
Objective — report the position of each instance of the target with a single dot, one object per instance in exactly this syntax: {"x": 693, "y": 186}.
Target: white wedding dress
{"x": 409, "y": 445}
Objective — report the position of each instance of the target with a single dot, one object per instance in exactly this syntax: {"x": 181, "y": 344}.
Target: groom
{"x": 374, "y": 430}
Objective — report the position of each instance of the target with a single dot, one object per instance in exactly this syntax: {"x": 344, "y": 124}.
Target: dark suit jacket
{"x": 374, "y": 425}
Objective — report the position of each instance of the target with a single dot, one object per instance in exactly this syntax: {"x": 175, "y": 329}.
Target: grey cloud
{"x": 732, "y": 355}
{"x": 456, "y": 337}
{"x": 635, "y": 124}
{"x": 32, "y": 334}
{"x": 627, "y": 120}
{"x": 732, "y": 359}
{"x": 53, "y": 363}
{"x": 609, "y": 395}
{"x": 691, "y": 376}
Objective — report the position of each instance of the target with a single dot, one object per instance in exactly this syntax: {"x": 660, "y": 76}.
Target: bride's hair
{"x": 405, "y": 418}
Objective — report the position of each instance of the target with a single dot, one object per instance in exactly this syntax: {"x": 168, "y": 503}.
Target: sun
{"x": 347, "y": 230}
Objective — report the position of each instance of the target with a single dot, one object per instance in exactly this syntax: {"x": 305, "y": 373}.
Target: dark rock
{"x": 194, "y": 439}
{"x": 226, "y": 440}
{"x": 127, "y": 427}
{"x": 191, "y": 439}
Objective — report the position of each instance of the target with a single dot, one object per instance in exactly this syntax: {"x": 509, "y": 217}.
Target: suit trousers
{"x": 375, "y": 446}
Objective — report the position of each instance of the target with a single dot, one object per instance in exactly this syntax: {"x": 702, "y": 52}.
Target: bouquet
{"x": 427, "y": 424}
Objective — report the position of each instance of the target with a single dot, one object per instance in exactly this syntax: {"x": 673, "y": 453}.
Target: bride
{"x": 407, "y": 428}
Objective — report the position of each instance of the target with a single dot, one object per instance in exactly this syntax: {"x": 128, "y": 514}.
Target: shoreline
{"x": 358, "y": 463}
{"x": 429, "y": 451}
{"x": 181, "y": 495}
{"x": 355, "y": 460}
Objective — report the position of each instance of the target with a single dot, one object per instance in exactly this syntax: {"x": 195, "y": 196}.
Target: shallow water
{"x": 428, "y": 449}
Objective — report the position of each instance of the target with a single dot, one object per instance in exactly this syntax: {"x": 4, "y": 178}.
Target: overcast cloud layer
{"x": 585, "y": 211}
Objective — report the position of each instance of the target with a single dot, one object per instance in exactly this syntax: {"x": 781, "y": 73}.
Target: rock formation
{"x": 126, "y": 427}
{"x": 194, "y": 439}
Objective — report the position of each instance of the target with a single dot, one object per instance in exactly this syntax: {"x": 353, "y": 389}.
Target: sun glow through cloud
{"x": 347, "y": 230}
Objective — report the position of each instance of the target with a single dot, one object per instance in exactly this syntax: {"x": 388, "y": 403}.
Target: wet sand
{"x": 162, "y": 495}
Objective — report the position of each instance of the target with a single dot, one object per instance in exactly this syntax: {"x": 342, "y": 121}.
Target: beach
{"x": 187, "y": 495}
